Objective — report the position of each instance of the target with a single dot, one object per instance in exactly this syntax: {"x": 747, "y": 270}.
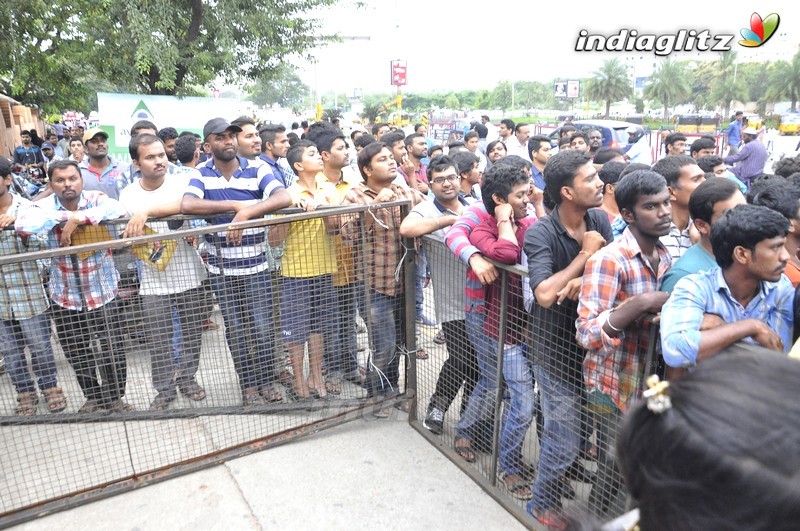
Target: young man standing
{"x": 518, "y": 144}
{"x": 683, "y": 176}
{"x": 83, "y": 289}
{"x": 274, "y": 145}
{"x": 76, "y": 150}
{"x": 734, "y": 133}
{"x": 178, "y": 285}
{"x": 416, "y": 150}
{"x": 558, "y": 247}
{"x": 675, "y": 144}
{"x": 746, "y": 298}
{"x": 237, "y": 259}
{"x": 505, "y": 130}
{"x": 469, "y": 174}
{"x": 620, "y": 287}
{"x": 708, "y": 203}
{"x": 24, "y": 321}
{"x": 27, "y": 154}
{"x": 434, "y": 217}
{"x": 384, "y": 253}
{"x": 309, "y": 261}
{"x": 750, "y": 160}
{"x": 101, "y": 171}
{"x": 539, "y": 151}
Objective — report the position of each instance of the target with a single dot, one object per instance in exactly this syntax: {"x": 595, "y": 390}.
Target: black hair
{"x": 606, "y": 153}
{"x": 777, "y": 195}
{"x": 440, "y": 163}
{"x": 326, "y": 139}
{"x": 560, "y": 171}
{"x": 491, "y": 145}
{"x": 566, "y": 128}
{"x": 304, "y": 124}
{"x": 564, "y": 140}
{"x": 708, "y": 194}
{"x": 185, "y": 148}
{"x": 364, "y": 140}
{"x": 366, "y": 155}
{"x": 62, "y": 165}
{"x": 745, "y": 226}
{"x": 318, "y": 129}
{"x": 725, "y": 454}
{"x": 5, "y": 167}
{"x": 633, "y": 167}
{"x": 519, "y": 126}
{"x": 75, "y": 139}
{"x": 377, "y": 127}
{"x": 670, "y": 167}
{"x": 293, "y": 138}
{"x": 579, "y": 134}
{"x": 707, "y": 163}
{"x": 501, "y": 180}
{"x": 353, "y": 134}
{"x": 185, "y": 133}
{"x": 704, "y": 142}
{"x": 243, "y": 120}
{"x": 437, "y": 147}
{"x": 535, "y": 143}
{"x": 635, "y": 185}
{"x": 787, "y": 166}
{"x": 470, "y": 135}
{"x": 509, "y": 123}
{"x": 517, "y": 162}
{"x": 390, "y": 139}
{"x": 417, "y": 126}
{"x": 410, "y": 138}
{"x": 674, "y": 137}
{"x": 168, "y": 133}
{"x": 482, "y": 131}
{"x": 142, "y": 124}
{"x": 268, "y": 133}
{"x": 611, "y": 172}
{"x": 456, "y": 144}
{"x": 141, "y": 140}
{"x": 24, "y": 132}
{"x": 482, "y": 117}
{"x": 296, "y": 152}
{"x": 295, "y": 125}
{"x": 465, "y": 161}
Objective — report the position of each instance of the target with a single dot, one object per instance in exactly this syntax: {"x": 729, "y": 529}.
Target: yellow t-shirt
{"x": 309, "y": 249}
{"x": 346, "y": 269}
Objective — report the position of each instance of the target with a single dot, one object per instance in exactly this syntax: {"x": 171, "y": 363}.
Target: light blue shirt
{"x": 707, "y": 292}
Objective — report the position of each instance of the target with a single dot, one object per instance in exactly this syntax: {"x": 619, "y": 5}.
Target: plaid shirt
{"x": 614, "y": 274}
{"x": 76, "y": 283}
{"x": 22, "y": 294}
{"x": 383, "y": 244}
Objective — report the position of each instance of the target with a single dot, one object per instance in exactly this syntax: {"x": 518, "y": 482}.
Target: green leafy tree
{"x": 727, "y": 84}
{"x": 371, "y": 112}
{"x": 280, "y": 85}
{"x": 669, "y": 84}
{"x": 451, "y": 101}
{"x": 331, "y": 114}
{"x": 483, "y": 100}
{"x": 638, "y": 103}
{"x": 609, "y": 83}
{"x": 784, "y": 81}
{"x": 502, "y": 95}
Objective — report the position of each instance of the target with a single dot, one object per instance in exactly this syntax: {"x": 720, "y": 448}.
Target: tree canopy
{"x": 57, "y": 53}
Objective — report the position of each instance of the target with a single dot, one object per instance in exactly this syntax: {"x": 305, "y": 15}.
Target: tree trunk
{"x": 608, "y": 108}
{"x": 666, "y": 111}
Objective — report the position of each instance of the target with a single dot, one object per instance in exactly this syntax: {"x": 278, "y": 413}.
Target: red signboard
{"x": 398, "y": 72}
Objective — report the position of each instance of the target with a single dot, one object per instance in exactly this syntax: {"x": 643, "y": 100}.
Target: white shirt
{"x": 513, "y": 147}
{"x": 185, "y": 269}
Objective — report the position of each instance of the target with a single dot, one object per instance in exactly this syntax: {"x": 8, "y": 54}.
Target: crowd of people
{"x": 608, "y": 243}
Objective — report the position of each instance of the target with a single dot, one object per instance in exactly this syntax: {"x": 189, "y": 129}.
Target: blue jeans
{"x": 561, "y": 406}
{"x": 341, "y": 354}
{"x": 35, "y": 334}
{"x": 246, "y": 304}
{"x": 517, "y": 375}
{"x": 384, "y": 324}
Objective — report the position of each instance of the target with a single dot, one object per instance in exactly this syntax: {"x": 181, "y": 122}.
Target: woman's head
{"x": 726, "y": 455}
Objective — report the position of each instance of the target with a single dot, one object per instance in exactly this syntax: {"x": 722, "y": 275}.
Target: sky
{"x": 466, "y": 44}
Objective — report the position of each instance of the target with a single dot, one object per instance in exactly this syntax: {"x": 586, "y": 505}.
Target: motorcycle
{"x": 27, "y": 182}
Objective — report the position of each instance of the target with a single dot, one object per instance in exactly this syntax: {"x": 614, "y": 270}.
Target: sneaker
{"x": 434, "y": 420}
{"x": 424, "y": 320}
{"x": 161, "y": 401}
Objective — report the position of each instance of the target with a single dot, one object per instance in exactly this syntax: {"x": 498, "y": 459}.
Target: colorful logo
{"x": 760, "y": 30}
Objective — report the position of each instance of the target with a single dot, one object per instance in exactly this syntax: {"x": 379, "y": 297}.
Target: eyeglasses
{"x": 447, "y": 178}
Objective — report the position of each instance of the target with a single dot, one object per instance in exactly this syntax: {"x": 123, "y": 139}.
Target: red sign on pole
{"x": 398, "y": 72}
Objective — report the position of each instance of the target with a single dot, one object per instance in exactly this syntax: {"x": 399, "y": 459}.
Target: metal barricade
{"x": 171, "y": 365}
{"x": 481, "y": 377}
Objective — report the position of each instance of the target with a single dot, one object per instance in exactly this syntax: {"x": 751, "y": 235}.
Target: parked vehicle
{"x": 790, "y": 124}
{"x": 27, "y": 182}
{"x": 696, "y": 123}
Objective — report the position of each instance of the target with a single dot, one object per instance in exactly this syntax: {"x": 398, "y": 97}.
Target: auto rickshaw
{"x": 752, "y": 120}
{"x": 790, "y": 124}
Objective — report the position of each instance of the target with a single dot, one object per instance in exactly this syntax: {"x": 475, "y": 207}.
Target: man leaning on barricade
{"x": 171, "y": 274}
{"x": 24, "y": 321}
{"x": 236, "y": 258}
{"x": 83, "y": 285}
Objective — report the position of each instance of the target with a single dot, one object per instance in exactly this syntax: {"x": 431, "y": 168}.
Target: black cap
{"x": 216, "y": 126}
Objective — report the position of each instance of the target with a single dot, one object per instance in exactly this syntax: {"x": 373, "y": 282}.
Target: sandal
{"x": 250, "y": 397}
{"x": 333, "y": 386}
{"x": 359, "y": 380}
{"x": 421, "y": 354}
{"x": 192, "y": 390}
{"x": 313, "y": 392}
{"x": 26, "y": 404}
{"x": 550, "y": 518}
{"x": 517, "y": 486}
{"x": 270, "y": 394}
{"x": 465, "y": 450}
{"x": 56, "y": 401}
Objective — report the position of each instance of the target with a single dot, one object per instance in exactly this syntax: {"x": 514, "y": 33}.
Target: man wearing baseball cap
{"x": 101, "y": 171}
{"x": 237, "y": 260}
{"x": 750, "y": 160}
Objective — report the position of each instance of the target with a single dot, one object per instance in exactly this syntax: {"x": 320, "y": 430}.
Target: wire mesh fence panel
{"x": 503, "y": 390}
{"x": 128, "y": 356}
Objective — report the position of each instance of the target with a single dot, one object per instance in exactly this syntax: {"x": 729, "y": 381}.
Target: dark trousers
{"x": 77, "y": 331}
{"x": 461, "y": 367}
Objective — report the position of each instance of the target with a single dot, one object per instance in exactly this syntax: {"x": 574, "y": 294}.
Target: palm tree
{"x": 670, "y": 84}
{"x": 610, "y": 83}
{"x": 785, "y": 81}
{"x": 371, "y": 112}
